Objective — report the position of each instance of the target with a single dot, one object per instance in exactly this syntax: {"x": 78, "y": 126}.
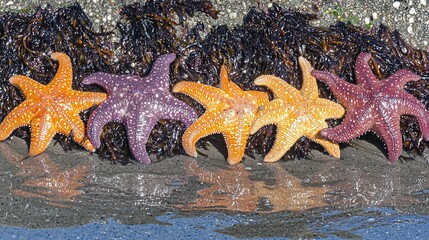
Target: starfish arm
{"x": 112, "y": 82}
{"x": 69, "y": 121}
{"x": 109, "y": 111}
{"x": 280, "y": 88}
{"x": 64, "y": 76}
{"x": 332, "y": 148}
{"x": 287, "y": 133}
{"x": 208, "y": 96}
{"x": 139, "y": 128}
{"x": 79, "y": 101}
{"x": 236, "y": 139}
{"x": 42, "y": 132}
{"x": 211, "y": 122}
{"x": 160, "y": 71}
{"x": 19, "y": 116}
{"x": 389, "y": 130}
{"x": 409, "y": 105}
{"x": 227, "y": 85}
{"x": 178, "y": 110}
{"x": 348, "y": 94}
{"x": 257, "y": 98}
{"x": 324, "y": 109}
{"x": 28, "y": 86}
{"x": 271, "y": 113}
{"x": 397, "y": 80}
{"x": 354, "y": 124}
{"x": 364, "y": 75}
{"x": 309, "y": 89}
{"x": 79, "y": 135}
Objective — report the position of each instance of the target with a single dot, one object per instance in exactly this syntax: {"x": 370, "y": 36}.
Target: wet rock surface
{"x": 300, "y": 198}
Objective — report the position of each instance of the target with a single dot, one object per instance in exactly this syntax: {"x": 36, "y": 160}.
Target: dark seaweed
{"x": 268, "y": 42}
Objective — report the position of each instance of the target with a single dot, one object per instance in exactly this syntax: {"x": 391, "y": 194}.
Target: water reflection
{"x": 41, "y": 177}
{"x": 233, "y": 189}
{"x": 134, "y": 188}
{"x": 364, "y": 186}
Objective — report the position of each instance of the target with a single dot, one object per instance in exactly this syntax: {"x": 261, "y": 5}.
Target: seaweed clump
{"x": 26, "y": 41}
{"x": 270, "y": 42}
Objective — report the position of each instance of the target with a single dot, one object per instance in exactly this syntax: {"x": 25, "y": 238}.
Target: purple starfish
{"x": 374, "y": 105}
{"x": 138, "y": 103}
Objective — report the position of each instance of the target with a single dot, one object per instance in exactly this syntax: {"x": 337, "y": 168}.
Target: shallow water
{"x": 75, "y": 194}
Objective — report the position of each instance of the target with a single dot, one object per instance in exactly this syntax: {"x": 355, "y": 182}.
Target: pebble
{"x": 367, "y": 20}
{"x": 233, "y": 15}
{"x": 396, "y": 4}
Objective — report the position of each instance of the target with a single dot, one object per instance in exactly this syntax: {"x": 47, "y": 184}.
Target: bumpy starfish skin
{"x": 229, "y": 110}
{"x": 374, "y": 105}
{"x": 138, "y": 103}
{"x": 50, "y": 109}
{"x": 296, "y": 113}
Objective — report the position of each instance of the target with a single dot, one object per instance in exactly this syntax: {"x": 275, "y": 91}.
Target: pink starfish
{"x": 374, "y": 105}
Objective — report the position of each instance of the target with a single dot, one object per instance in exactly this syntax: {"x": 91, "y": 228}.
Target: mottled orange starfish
{"x": 50, "y": 109}
{"x": 296, "y": 113}
{"x": 229, "y": 110}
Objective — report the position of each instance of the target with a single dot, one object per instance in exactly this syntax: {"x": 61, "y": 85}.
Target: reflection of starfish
{"x": 296, "y": 113}
{"x": 229, "y": 110}
{"x": 374, "y": 105}
{"x": 50, "y": 180}
{"x": 50, "y": 109}
{"x": 233, "y": 189}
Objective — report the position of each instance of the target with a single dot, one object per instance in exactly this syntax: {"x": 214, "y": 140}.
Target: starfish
{"x": 229, "y": 110}
{"x": 50, "y": 109}
{"x": 296, "y": 113}
{"x": 374, "y": 105}
{"x": 138, "y": 103}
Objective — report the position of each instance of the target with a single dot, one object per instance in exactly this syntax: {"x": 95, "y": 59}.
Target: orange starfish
{"x": 50, "y": 109}
{"x": 296, "y": 113}
{"x": 229, "y": 110}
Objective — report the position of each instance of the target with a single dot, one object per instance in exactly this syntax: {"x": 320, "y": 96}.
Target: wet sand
{"x": 61, "y": 189}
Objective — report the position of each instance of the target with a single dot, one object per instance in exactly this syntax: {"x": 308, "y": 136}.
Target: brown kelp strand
{"x": 26, "y": 41}
{"x": 149, "y": 30}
